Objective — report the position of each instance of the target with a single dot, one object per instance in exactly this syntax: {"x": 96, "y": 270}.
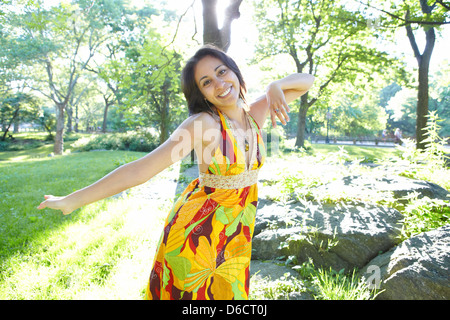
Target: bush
{"x": 129, "y": 141}
{"x": 19, "y": 145}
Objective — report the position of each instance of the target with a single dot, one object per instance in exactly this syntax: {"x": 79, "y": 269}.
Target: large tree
{"x": 416, "y": 16}
{"x": 324, "y": 39}
{"x": 149, "y": 79}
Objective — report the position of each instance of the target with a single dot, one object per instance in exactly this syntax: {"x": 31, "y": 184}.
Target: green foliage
{"x": 356, "y": 114}
{"x": 333, "y": 43}
{"x": 314, "y": 283}
{"x": 436, "y": 14}
{"x": 130, "y": 141}
{"x": 16, "y": 107}
{"x": 423, "y": 214}
{"x": 332, "y": 285}
{"x": 147, "y": 81}
{"x": 430, "y": 164}
{"x": 401, "y": 103}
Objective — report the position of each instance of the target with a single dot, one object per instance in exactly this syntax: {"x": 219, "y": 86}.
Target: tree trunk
{"x": 59, "y": 141}
{"x": 16, "y": 125}
{"x": 105, "y": 118}
{"x": 108, "y": 102}
{"x": 76, "y": 118}
{"x": 423, "y": 60}
{"x": 211, "y": 32}
{"x": 422, "y": 103}
{"x": 69, "y": 119}
{"x": 304, "y": 106}
{"x": 16, "y": 113}
{"x": 164, "y": 113}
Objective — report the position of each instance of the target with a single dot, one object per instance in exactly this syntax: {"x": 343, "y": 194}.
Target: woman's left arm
{"x": 278, "y": 95}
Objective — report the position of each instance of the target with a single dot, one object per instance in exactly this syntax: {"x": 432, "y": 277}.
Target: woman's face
{"x": 218, "y": 83}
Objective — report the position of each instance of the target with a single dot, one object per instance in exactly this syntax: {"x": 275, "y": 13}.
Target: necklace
{"x": 247, "y": 146}
{"x": 246, "y": 143}
{"x": 238, "y": 132}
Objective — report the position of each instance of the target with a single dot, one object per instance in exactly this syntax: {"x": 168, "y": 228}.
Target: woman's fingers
{"x": 273, "y": 116}
{"x": 277, "y": 105}
{"x": 43, "y": 204}
{"x": 280, "y": 112}
{"x": 56, "y": 203}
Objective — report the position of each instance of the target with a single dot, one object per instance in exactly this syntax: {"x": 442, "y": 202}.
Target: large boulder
{"x": 397, "y": 186}
{"x": 418, "y": 268}
{"x": 343, "y": 235}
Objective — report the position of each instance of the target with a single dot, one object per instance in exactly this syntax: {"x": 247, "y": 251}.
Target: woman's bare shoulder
{"x": 205, "y": 120}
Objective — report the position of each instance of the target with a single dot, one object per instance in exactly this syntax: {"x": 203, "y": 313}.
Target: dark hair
{"x": 195, "y": 99}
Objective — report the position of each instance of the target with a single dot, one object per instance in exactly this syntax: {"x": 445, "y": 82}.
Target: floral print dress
{"x": 205, "y": 249}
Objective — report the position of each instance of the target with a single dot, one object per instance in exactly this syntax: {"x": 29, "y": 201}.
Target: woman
{"x": 205, "y": 248}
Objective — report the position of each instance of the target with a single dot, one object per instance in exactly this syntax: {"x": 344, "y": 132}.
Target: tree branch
{"x": 444, "y": 5}
{"x": 406, "y": 20}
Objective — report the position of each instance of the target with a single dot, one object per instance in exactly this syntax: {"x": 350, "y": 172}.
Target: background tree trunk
{"x": 58, "y": 148}
{"x": 423, "y": 61}
{"x": 304, "y": 106}
{"x": 211, "y": 32}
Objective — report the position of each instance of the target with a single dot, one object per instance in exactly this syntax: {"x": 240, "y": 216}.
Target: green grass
{"x": 313, "y": 283}
{"x": 366, "y": 154}
{"x": 369, "y": 154}
{"x": 32, "y": 145}
{"x": 103, "y": 250}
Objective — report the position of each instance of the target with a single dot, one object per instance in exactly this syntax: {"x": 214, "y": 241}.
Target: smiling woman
{"x": 205, "y": 248}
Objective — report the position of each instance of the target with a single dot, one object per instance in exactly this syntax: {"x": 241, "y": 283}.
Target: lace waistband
{"x": 237, "y": 181}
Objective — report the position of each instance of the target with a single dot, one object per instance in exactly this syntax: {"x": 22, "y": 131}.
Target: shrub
{"x": 423, "y": 214}
{"x": 129, "y": 141}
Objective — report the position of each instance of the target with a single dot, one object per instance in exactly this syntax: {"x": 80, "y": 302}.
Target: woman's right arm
{"x": 179, "y": 145}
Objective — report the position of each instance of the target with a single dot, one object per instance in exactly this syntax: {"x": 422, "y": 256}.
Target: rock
{"x": 418, "y": 268}
{"x": 261, "y": 270}
{"x": 264, "y": 274}
{"x": 362, "y": 185}
{"x": 343, "y": 235}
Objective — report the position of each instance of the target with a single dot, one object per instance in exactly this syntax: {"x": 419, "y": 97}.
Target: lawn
{"x": 33, "y": 145}
{"x": 364, "y": 153}
{"x": 103, "y": 250}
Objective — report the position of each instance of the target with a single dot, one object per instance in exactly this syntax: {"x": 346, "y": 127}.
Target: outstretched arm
{"x": 278, "y": 95}
{"x": 129, "y": 175}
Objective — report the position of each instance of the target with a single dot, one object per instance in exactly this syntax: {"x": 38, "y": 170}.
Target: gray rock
{"x": 397, "y": 185}
{"x": 343, "y": 235}
{"x": 418, "y": 268}
{"x": 261, "y": 270}
{"x": 266, "y": 274}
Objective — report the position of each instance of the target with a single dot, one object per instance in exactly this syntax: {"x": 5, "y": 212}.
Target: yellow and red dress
{"x": 205, "y": 249}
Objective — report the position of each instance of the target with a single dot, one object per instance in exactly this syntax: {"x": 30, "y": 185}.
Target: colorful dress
{"x": 205, "y": 249}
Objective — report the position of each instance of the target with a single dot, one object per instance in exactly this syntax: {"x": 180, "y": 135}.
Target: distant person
{"x": 383, "y": 135}
{"x": 205, "y": 249}
{"x": 398, "y": 136}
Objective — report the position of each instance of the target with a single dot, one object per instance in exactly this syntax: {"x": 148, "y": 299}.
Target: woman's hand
{"x": 58, "y": 203}
{"x": 278, "y": 106}
{"x": 278, "y": 94}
